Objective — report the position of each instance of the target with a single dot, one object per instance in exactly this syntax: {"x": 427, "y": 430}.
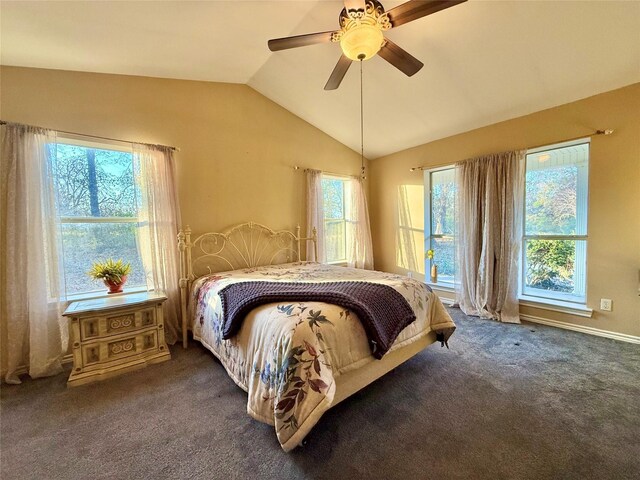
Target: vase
{"x": 434, "y": 273}
{"x": 115, "y": 287}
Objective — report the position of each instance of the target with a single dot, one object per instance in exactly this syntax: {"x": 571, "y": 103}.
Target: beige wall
{"x": 237, "y": 148}
{"x": 614, "y": 195}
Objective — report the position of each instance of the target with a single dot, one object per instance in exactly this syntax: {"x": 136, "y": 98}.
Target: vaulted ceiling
{"x": 485, "y": 61}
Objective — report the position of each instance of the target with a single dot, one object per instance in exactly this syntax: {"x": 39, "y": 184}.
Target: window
{"x": 440, "y": 200}
{"x": 96, "y": 203}
{"x": 555, "y": 223}
{"x": 336, "y": 193}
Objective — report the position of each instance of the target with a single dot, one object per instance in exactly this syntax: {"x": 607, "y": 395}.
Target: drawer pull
{"x": 90, "y": 328}
{"x": 123, "y": 346}
{"x": 123, "y": 321}
{"x": 93, "y": 355}
{"x": 147, "y": 317}
{"x": 149, "y": 341}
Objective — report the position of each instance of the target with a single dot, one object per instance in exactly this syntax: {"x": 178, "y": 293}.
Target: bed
{"x": 295, "y": 359}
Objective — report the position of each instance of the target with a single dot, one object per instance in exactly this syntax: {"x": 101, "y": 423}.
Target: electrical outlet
{"x": 606, "y": 304}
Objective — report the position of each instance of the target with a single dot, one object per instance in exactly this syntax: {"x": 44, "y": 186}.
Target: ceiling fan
{"x": 360, "y": 36}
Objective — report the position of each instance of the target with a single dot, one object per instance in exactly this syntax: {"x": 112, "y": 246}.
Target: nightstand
{"x": 115, "y": 334}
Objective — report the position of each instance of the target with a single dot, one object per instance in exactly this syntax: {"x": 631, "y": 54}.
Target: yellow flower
{"x": 430, "y": 253}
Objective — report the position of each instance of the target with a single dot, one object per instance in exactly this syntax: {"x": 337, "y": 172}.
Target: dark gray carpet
{"x": 506, "y": 402}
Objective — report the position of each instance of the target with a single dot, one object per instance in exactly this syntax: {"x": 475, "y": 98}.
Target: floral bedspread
{"x": 287, "y": 356}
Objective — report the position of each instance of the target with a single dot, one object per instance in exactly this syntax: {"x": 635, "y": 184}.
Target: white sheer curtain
{"x": 489, "y": 223}
{"x": 32, "y": 281}
{"x": 359, "y": 245}
{"x": 159, "y": 218}
{"x": 409, "y": 253}
{"x": 315, "y": 214}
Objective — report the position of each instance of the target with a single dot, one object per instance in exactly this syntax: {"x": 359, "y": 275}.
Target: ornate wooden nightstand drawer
{"x": 116, "y": 334}
{"x": 142, "y": 342}
{"x": 119, "y": 347}
{"x": 122, "y": 322}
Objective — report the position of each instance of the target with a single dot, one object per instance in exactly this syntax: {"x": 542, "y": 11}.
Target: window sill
{"x": 443, "y": 287}
{"x": 338, "y": 264}
{"x": 103, "y": 294}
{"x": 534, "y": 302}
{"x": 556, "y": 306}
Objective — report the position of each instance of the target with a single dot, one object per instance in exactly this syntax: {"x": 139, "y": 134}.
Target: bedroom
{"x": 520, "y": 401}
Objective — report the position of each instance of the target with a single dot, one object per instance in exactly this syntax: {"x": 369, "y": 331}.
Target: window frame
{"x": 428, "y": 235}
{"x": 550, "y": 297}
{"x": 66, "y": 220}
{"x": 345, "y": 220}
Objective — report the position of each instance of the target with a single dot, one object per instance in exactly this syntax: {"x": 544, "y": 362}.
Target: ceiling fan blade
{"x": 414, "y": 9}
{"x": 338, "y": 73}
{"x": 399, "y": 58}
{"x": 354, "y": 4}
{"x": 299, "y": 41}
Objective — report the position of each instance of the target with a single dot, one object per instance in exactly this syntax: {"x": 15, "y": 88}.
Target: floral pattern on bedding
{"x": 299, "y": 372}
{"x": 287, "y": 355}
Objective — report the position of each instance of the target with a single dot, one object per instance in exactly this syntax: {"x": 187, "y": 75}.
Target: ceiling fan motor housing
{"x": 361, "y": 35}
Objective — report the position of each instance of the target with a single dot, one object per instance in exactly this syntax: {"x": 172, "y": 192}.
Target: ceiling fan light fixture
{"x": 361, "y": 35}
{"x": 361, "y": 42}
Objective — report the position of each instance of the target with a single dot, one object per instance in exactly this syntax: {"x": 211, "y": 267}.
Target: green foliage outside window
{"x": 551, "y": 201}
{"x": 443, "y": 194}
{"x": 333, "y": 192}
{"x": 550, "y": 264}
{"x": 551, "y": 209}
{"x": 93, "y": 183}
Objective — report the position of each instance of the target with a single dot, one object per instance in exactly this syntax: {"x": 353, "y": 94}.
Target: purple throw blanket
{"x": 383, "y": 311}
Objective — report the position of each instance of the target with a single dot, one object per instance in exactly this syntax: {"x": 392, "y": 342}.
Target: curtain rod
{"x": 176, "y": 149}
{"x": 597, "y": 132}
{"x": 296, "y": 167}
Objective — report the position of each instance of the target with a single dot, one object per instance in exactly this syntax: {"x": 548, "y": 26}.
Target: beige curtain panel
{"x": 315, "y": 214}
{"x": 489, "y": 228}
{"x": 34, "y": 333}
{"x": 359, "y": 244}
{"x": 159, "y": 217}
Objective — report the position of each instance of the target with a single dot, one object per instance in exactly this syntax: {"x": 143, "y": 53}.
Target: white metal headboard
{"x": 246, "y": 245}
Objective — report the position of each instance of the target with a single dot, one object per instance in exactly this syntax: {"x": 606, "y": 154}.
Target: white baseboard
{"x": 581, "y": 328}
{"x": 622, "y": 337}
